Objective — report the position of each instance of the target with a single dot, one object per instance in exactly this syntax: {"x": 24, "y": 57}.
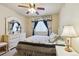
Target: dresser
{"x": 14, "y": 39}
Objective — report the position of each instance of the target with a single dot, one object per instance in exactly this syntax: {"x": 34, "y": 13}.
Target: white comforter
{"x": 38, "y": 39}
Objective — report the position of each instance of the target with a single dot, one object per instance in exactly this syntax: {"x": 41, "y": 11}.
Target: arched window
{"x": 14, "y": 26}
{"x": 41, "y": 28}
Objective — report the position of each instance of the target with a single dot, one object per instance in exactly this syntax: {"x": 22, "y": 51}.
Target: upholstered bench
{"x": 2, "y": 44}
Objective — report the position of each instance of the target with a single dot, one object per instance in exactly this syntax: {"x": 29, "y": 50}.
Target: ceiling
{"x": 50, "y": 8}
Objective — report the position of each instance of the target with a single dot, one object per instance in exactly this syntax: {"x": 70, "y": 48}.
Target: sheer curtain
{"x": 45, "y": 22}
{"x": 41, "y": 28}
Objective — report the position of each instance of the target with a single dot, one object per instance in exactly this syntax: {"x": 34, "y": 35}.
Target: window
{"x": 41, "y": 27}
{"x": 15, "y": 27}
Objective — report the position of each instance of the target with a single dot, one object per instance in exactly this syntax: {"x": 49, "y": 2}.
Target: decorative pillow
{"x": 53, "y": 37}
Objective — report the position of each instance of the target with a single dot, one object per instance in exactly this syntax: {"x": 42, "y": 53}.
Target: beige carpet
{"x": 10, "y": 53}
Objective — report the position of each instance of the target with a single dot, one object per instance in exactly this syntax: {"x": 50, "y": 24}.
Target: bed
{"x": 36, "y": 46}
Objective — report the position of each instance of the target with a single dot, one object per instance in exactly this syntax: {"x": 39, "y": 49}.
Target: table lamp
{"x": 68, "y": 33}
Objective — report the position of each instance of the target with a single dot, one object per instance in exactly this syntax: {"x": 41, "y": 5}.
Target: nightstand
{"x": 60, "y": 51}
{"x": 60, "y": 42}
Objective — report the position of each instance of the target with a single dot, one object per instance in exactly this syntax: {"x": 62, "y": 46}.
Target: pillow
{"x": 53, "y": 37}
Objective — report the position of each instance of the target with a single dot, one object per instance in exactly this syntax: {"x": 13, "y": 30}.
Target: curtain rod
{"x": 41, "y": 20}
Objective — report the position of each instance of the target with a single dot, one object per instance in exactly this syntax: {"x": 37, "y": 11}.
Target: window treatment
{"x": 46, "y": 19}
{"x": 45, "y": 22}
{"x": 34, "y": 26}
{"x": 49, "y": 26}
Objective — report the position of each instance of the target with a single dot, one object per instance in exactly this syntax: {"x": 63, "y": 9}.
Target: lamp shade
{"x": 69, "y": 31}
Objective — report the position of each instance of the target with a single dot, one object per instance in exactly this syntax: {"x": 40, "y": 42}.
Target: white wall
{"x": 69, "y": 15}
{"x": 6, "y": 12}
{"x": 55, "y": 22}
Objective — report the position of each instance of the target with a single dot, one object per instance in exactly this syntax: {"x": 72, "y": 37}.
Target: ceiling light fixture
{"x": 32, "y": 10}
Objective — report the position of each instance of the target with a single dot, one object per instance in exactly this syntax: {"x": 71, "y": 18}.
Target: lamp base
{"x": 68, "y": 49}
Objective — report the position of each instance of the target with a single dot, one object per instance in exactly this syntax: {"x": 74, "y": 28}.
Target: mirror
{"x": 14, "y": 27}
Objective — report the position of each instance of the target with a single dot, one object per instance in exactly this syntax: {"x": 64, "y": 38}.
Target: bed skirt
{"x": 35, "y": 49}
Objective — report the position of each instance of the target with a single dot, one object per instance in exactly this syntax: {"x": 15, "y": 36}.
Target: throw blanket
{"x": 35, "y": 49}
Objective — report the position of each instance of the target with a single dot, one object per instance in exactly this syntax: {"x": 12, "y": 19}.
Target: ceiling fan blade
{"x": 40, "y": 8}
{"x": 23, "y": 6}
{"x": 30, "y": 5}
{"x": 34, "y": 5}
{"x": 27, "y": 12}
{"x": 37, "y": 13}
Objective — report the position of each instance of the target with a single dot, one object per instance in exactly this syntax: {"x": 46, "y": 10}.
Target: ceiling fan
{"x": 31, "y": 8}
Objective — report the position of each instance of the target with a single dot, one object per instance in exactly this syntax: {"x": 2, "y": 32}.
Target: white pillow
{"x": 52, "y": 37}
